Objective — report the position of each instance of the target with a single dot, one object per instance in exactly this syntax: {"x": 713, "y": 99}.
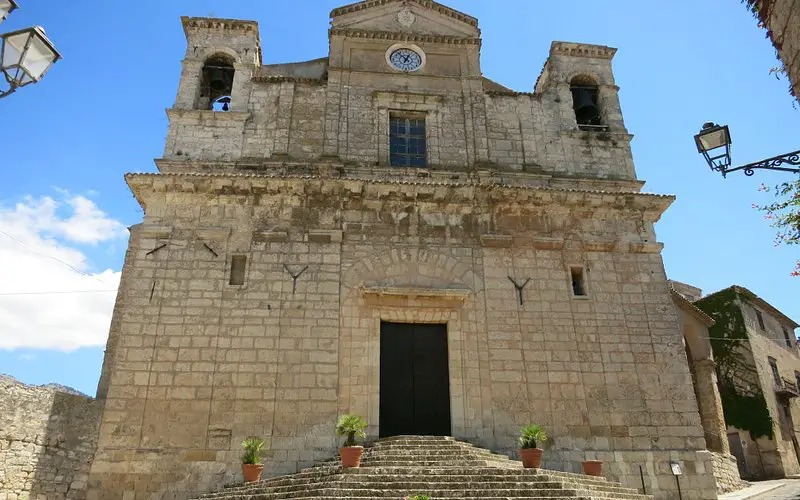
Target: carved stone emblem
{"x": 405, "y": 17}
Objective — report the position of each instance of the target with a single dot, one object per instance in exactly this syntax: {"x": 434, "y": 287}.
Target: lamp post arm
{"x": 7, "y": 92}
{"x": 773, "y": 163}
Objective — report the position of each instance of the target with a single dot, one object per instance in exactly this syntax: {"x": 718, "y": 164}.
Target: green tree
{"x": 784, "y": 214}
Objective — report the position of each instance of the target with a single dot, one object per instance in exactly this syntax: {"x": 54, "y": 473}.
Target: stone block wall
{"x": 726, "y": 473}
{"x": 778, "y": 457}
{"x": 344, "y": 114}
{"x": 199, "y": 364}
{"x": 47, "y": 440}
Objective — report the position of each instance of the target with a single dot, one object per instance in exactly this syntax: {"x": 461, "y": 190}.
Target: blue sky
{"x": 99, "y": 113}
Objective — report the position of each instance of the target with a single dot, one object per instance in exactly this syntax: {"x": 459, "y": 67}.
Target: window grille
{"x": 407, "y": 146}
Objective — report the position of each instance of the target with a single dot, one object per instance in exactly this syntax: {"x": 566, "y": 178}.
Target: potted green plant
{"x": 418, "y": 496}
{"x": 351, "y": 426}
{"x": 251, "y": 459}
{"x": 530, "y": 436}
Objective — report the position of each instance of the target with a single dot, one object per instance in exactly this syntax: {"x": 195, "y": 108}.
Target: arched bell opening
{"x": 217, "y": 83}
{"x": 585, "y": 103}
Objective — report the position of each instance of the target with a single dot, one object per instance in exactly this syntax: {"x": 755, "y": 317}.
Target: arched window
{"x": 584, "y": 103}
{"x": 217, "y": 83}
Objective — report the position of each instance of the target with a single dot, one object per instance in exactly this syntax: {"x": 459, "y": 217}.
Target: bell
{"x": 218, "y": 79}
{"x": 583, "y": 103}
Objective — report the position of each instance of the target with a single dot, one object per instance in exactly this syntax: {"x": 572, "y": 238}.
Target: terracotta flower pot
{"x": 593, "y": 467}
{"x": 531, "y": 457}
{"x": 351, "y": 455}
{"x": 252, "y": 472}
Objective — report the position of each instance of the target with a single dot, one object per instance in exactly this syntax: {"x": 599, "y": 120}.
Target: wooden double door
{"x": 415, "y": 383}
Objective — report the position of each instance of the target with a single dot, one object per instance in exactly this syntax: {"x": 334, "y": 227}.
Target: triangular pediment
{"x": 422, "y": 17}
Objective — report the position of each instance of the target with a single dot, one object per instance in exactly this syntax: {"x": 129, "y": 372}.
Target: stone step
{"x": 441, "y": 467}
{"x": 358, "y": 482}
{"x": 444, "y": 458}
{"x": 444, "y": 474}
{"x": 413, "y": 482}
{"x": 402, "y": 496}
{"x": 435, "y": 494}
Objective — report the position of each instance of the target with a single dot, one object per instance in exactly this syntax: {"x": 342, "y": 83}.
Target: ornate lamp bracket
{"x": 774, "y": 163}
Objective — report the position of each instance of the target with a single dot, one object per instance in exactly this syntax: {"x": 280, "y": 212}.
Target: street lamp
{"x": 6, "y": 8}
{"x": 714, "y": 142}
{"x": 26, "y": 56}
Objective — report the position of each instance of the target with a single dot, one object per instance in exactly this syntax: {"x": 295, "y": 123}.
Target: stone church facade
{"x": 388, "y": 233}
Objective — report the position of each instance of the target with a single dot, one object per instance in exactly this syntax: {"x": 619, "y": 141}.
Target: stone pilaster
{"x": 710, "y": 406}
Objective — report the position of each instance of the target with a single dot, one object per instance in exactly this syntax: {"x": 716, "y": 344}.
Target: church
{"x": 386, "y": 232}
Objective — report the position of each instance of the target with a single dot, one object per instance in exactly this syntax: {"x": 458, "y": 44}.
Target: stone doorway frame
{"x": 402, "y": 305}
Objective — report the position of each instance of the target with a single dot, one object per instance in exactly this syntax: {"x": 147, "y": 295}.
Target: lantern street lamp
{"x": 714, "y": 142}
{"x": 26, "y": 56}
{"x": 6, "y": 8}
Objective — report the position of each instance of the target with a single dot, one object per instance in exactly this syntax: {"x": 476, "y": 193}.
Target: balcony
{"x": 786, "y": 388}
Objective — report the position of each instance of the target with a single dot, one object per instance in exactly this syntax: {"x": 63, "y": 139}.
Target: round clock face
{"x": 405, "y": 60}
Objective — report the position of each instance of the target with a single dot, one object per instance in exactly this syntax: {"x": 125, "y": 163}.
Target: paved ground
{"x": 789, "y": 491}
{"x": 782, "y": 489}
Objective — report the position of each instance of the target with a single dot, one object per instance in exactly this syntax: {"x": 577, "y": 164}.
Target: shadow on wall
{"x": 48, "y": 436}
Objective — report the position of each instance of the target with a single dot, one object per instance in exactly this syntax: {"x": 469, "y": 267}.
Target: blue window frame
{"x": 407, "y": 146}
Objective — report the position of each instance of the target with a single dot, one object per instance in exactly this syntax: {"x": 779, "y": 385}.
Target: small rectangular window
{"x": 407, "y": 147}
{"x": 797, "y": 379}
{"x": 760, "y": 319}
{"x": 775, "y": 375}
{"x": 238, "y": 265}
{"x": 578, "y": 282}
{"x": 789, "y": 342}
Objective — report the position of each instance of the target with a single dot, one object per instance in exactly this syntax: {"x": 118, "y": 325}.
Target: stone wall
{"x": 47, "y": 439}
{"x": 197, "y": 364}
{"x": 726, "y": 473}
{"x": 345, "y": 114}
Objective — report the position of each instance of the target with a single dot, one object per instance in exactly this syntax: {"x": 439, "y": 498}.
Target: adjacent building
{"x": 695, "y": 326}
{"x": 781, "y": 19}
{"x": 384, "y": 231}
{"x": 756, "y": 354}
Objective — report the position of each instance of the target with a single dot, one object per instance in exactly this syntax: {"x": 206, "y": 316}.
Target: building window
{"x": 775, "y": 375}
{"x": 217, "y": 83}
{"x": 407, "y": 140}
{"x": 760, "y": 319}
{"x": 786, "y": 336}
{"x": 797, "y": 379}
{"x": 238, "y": 266}
{"x": 584, "y": 103}
{"x": 578, "y": 281}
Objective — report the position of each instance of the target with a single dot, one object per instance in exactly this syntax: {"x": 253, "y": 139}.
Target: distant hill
{"x": 51, "y": 386}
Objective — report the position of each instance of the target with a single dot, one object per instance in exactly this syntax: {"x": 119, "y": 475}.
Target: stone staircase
{"x": 440, "y": 467}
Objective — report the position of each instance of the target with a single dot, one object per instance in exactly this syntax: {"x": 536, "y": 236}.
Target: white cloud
{"x": 38, "y": 253}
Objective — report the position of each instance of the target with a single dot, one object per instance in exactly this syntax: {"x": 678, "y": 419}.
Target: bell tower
{"x": 221, "y": 57}
{"x": 581, "y": 73}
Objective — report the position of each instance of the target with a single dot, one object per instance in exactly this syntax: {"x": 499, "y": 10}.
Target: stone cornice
{"x": 582, "y": 50}
{"x": 650, "y": 206}
{"x": 208, "y": 116}
{"x": 333, "y": 167}
{"x": 282, "y": 79}
{"x": 428, "y": 4}
{"x": 412, "y": 292}
{"x": 403, "y": 37}
{"x": 218, "y": 24}
{"x": 509, "y": 93}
